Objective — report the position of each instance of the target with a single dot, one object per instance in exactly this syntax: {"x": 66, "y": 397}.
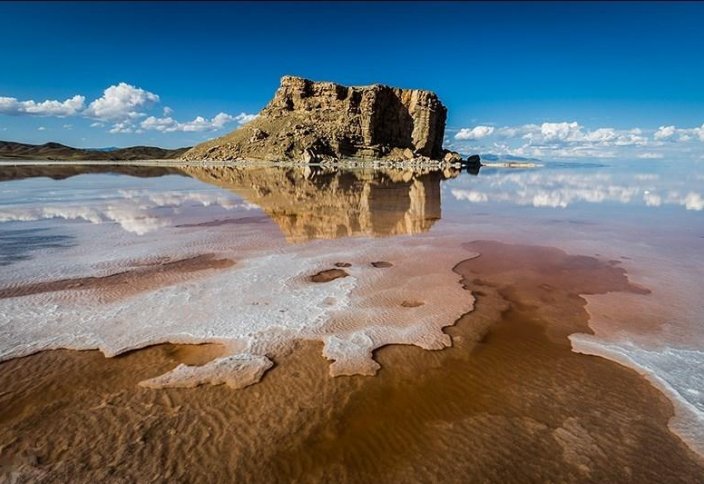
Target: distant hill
{"x": 493, "y": 157}
{"x": 55, "y": 151}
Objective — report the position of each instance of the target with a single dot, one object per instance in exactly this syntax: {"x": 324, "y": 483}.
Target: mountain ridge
{"x": 53, "y": 151}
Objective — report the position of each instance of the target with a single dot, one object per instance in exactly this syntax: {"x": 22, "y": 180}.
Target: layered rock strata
{"x": 311, "y": 121}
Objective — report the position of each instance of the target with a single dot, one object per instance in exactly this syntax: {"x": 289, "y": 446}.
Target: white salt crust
{"x": 259, "y": 304}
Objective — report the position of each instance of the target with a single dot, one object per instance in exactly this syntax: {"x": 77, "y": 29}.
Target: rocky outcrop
{"x": 322, "y": 121}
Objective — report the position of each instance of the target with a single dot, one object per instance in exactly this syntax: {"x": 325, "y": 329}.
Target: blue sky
{"x": 549, "y": 79}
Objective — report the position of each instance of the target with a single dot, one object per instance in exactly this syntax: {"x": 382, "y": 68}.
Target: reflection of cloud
{"x": 177, "y": 198}
{"x": 652, "y": 199}
{"x": 469, "y": 195}
{"x": 561, "y": 190}
{"x": 133, "y": 212}
{"x": 693, "y": 201}
{"x": 648, "y": 155}
{"x": 646, "y": 176}
{"x": 129, "y": 218}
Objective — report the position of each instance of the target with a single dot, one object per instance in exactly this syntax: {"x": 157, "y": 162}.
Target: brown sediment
{"x": 509, "y": 402}
{"x": 412, "y": 304}
{"x": 328, "y": 275}
{"x": 382, "y": 264}
{"x": 342, "y": 264}
{"x": 144, "y": 277}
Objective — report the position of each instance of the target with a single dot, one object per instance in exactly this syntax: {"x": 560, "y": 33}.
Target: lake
{"x": 310, "y": 323}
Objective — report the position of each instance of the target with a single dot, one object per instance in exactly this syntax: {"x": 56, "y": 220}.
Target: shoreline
{"x": 340, "y": 164}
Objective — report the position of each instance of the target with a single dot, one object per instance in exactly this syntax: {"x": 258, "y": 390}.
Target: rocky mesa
{"x": 309, "y": 121}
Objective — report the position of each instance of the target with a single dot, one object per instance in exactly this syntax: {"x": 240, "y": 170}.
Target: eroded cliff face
{"x": 320, "y": 121}
{"x": 316, "y": 203}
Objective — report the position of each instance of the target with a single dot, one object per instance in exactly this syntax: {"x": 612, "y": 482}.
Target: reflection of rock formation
{"x": 309, "y": 203}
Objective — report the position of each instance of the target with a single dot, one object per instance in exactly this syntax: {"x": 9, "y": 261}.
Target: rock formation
{"x": 322, "y": 121}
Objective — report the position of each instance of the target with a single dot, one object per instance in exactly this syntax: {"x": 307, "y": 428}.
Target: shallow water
{"x": 118, "y": 262}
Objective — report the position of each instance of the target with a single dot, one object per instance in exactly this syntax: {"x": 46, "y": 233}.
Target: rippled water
{"x": 114, "y": 261}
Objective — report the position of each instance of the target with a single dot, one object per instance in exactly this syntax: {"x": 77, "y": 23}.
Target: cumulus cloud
{"x": 674, "y": 134}
{"x": 125, "y": 108}
{"x": 124, "y": 127}
{"x": 69, "y": 107}
{"x": 120, "y": 102}
{"x": 558, "y": 132}
{"x": 665, "y": 132}
{"x": 170, "y": 125}
{"x": 478, "y": 132}
{"x": 571, "y": 140}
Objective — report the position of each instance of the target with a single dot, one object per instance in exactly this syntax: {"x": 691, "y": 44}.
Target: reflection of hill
{"x": 314, "y": 203}
{"x": 59, "y": 172}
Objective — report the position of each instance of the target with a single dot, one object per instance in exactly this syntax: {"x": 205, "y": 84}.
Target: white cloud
{"x": 571, "y": 140}
{"x": 41, "y": 128}
{"x": 665, "y": 132}
{"x": 668, "y": 133}
{"x": 121, "y": 102}
{"x": 69, "y": 107}
{"x": 601, "y": 135}
{"x": 560, "y": 131}
{"x": 244, "y": 118}
{"x": 123, "y": 127}
{"x": 170, "y": 125}
{"x": 478, "y": 132}
{"x": 699, "y": 132}
{"x": 121, "y": 106}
